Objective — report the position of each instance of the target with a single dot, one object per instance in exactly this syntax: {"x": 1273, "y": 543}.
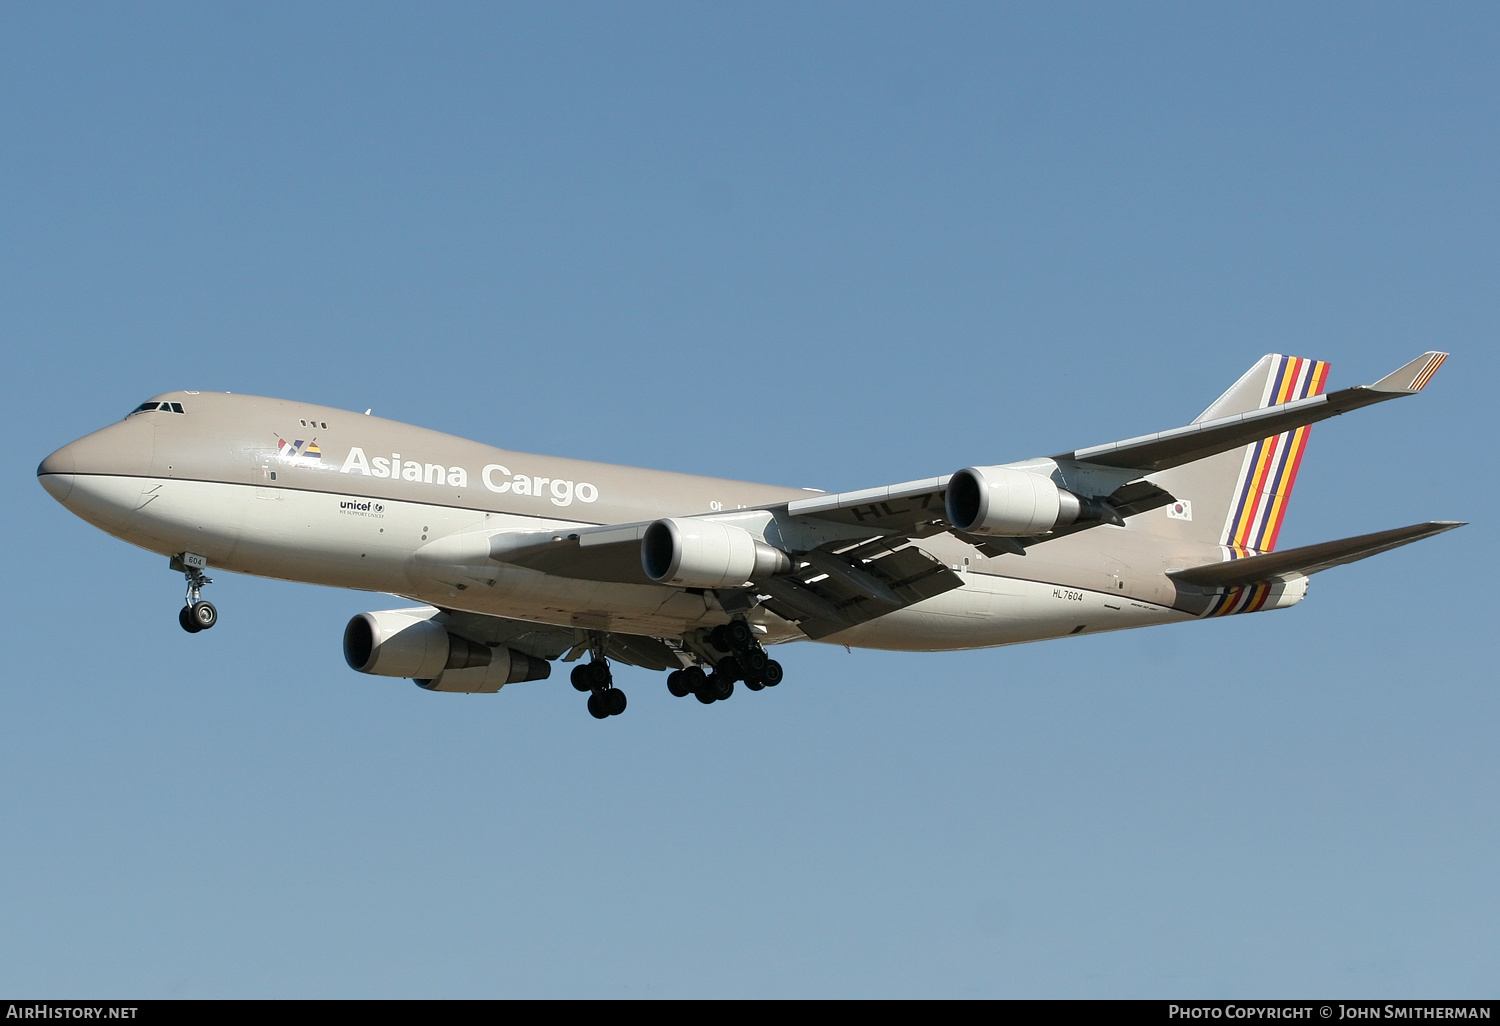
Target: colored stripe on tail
{"x": 1270, "y": 466}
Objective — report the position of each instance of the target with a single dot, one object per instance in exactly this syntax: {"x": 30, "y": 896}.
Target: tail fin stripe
{"x": 1271, "y": 465}
{"x": 1254, "y": 473}
{"x": 1290, "y": 374}
{"x": 1249, "y": 493}
{"x": 1317, "y": 379}
{"x": 1255, "y": 491}
{"x": 1267, "y": 499}
{"x": 1293, "y": 376}
{"x": 1296, "y": 446}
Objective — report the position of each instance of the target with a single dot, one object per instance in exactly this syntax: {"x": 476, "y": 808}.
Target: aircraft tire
{"x": 185, "y": 619}
{"x": 740, "y": 635}
{"x": 597, "y": 707}
{"x": 772, "y": 673}
{"x": 708, "y": 694}
{"x": 614, "y": 701}
{"x": 677, "y": 684}
{"x": 580, "y": 677}
{"x": 724, "y": 689}
{"x": 204, "y": 615}
{"x": 729, "y": 668}
{"x": 754, "y": 684}
{"x": 754, "y": 661}
{"x": 598, "y": 674}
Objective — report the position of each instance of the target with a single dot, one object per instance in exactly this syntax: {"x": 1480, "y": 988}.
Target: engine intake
{"x": 696, "y": 553}
{"x": 407, "y": 643}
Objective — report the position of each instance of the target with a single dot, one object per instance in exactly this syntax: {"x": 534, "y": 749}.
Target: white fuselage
{"x": 375, "y": 544}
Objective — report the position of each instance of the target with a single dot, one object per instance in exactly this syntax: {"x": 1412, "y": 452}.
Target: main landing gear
{"x": 605, "y": 699}
{"x": 196, "y": 614}
{"x": 747, "y": 661}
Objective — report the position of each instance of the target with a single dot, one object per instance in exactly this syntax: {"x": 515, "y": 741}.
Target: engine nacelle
{"x": 695, "y": 553}
{"x": 407, "y": 643}
{"x": 1008, "y": 503}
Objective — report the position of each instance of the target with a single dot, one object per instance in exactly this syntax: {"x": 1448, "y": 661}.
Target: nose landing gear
{"x": 196, "y": 614}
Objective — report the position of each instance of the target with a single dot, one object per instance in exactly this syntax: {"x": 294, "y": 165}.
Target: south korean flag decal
{"x": 1182, "y": 509}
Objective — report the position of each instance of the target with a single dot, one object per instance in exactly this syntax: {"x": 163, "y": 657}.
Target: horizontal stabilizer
{"x": 1167, "y": 449}
{"x": 1307, "y": 560}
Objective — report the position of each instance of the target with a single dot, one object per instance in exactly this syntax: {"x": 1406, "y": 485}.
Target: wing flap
{"x": 823, "y": 603}
{"x": 1309, "y": 559}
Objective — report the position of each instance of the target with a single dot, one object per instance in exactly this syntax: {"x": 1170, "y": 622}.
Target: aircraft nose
{"x": 55, "y": 473}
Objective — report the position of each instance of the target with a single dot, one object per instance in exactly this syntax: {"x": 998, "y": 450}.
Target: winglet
{"x": 1413, "y": 376}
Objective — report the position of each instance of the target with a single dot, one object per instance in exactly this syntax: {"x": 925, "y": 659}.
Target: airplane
{"x": 520, "y": 560}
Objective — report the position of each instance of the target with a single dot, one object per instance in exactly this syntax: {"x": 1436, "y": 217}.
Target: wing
{"x": 841, "y": 577}
{"x": 1308, "y": 559}
{"x": 851, "y": 552}
{"x": 1167, "y": 449}
{"x": 548, "y": 642}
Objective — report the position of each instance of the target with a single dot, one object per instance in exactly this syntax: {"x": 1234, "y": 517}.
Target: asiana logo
{"x": 496, "y": 478}
{"x": 305, "y": 452}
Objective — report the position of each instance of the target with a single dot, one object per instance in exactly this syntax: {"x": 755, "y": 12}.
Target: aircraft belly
{"x": 989, "y": 611}
{"x": 355, "y": 542}
{"x": 530, "y": 595}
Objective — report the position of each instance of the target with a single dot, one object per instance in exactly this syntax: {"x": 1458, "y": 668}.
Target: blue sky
{"x": 827, "y": 245}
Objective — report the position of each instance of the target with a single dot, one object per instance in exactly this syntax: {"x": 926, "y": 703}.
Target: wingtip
{"x": 1412, "y": 377}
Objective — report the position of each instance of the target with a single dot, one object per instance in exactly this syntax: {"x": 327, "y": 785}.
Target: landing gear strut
{"x": 594, "y": 676}
{"x": 196, "y": 614}
{"x": 746, "y": 662}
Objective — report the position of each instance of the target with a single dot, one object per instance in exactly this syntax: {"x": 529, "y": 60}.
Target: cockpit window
{"x": 162, "y": 407}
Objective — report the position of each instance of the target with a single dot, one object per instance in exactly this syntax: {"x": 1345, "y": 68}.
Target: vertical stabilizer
{"x": 1238, "y": 498}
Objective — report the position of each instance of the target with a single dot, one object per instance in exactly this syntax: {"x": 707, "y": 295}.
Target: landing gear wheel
{"x": 614, "y": 701}
{"x": 772, "y": 674}
{"x": 724, "y": 689}
{"x": 677, "y": 684}
{"x": 719, "y": 638}
{"x": 729, "y": 669}
{"x": 580, "y": 677}
{"x": 185, "y": 618}
{"x": 708, "y": 694}
{"x": 753, "y": 683}
{"x": 754, "y": 661}
{"x": 597, "y": 707}
{"x": 203, "y": 614}
{"x": 598, "y": 673}
{"x": 740, "y": 635}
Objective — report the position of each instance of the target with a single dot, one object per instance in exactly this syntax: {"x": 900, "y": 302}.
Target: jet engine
{"x": 1010, "y": 503}
{"x": 706, "y": 554}
{"x": 408, "y": 643}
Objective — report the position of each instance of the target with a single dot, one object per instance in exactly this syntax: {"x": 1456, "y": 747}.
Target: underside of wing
{"x": 833, "y": 590}
{"x": 1309, "y": 559}
{"x": 549, "y": 642}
